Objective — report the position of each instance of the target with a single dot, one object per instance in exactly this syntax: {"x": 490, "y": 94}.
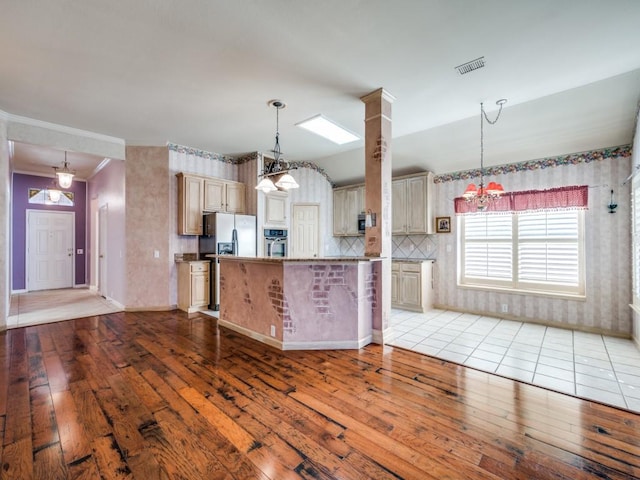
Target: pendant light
{"x": 279, "y": 167}
{"x": 483, "y": 195}
{"x": 64, "y": 174}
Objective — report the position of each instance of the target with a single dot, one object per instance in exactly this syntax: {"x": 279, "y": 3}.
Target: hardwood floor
{"x": 157, "y": 396}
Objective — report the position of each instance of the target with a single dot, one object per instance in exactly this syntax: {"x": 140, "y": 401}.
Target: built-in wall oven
{"x": 275, "y": 242}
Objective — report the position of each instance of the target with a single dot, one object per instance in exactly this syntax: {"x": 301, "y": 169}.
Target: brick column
{"x": 378, "y": 200}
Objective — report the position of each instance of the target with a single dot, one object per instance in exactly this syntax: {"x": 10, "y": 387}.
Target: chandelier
{"x": 64, "y": 174}
{"x": 483, "y": 195}
{"x": 278, "y": 167}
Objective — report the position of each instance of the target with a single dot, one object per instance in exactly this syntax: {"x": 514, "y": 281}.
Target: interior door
{"x": 50, "y": 248}
{"x": 305, "y": 242}
{"x": 102, "y": 250}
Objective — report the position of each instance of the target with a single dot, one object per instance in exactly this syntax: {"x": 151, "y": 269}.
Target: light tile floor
{"x": 44, "y": 306}
{"x": 587, "y": 365}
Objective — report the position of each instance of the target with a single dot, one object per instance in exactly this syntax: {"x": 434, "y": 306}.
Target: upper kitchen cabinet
{"x": 412, "y": 204}
{"x": 190, "y": 200}
{"x": 223, "y": 196}
{"x": 348, "y": 203}
{"x": 276, "y": 208}
{"x": 197, "y": 194}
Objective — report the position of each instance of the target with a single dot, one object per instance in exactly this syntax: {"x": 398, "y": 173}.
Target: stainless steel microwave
{"x": 362, "y": 218}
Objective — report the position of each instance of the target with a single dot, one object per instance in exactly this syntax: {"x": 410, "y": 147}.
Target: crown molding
{"x": 32, "y": 122}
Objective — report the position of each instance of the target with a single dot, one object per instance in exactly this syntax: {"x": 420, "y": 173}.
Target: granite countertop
{"x": 413, "y": 260}
{"x": 299, "y": 260}
{"x": 188, "y": 257}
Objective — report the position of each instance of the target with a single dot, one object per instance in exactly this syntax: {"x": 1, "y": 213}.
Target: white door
{"x": 102, "y": 250}
{"x": 50, "y": 246}
{"x": 305, "y": 242}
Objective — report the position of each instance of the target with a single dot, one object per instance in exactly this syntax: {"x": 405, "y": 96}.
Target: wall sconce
{"x": 612, "y": 204}
{"x": 370, "y": 219}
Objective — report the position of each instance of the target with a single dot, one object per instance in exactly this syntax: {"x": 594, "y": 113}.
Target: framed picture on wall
{"x": 443, "y": 224}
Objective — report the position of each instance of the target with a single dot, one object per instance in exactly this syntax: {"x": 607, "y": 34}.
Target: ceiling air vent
{"x": 470, "y": 66}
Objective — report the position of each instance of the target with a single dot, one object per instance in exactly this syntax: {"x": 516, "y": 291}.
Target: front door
{"x": 305, "y": 242}
{"x": 50, "y": 247}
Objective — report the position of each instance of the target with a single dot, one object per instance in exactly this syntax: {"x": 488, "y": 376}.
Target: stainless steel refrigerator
{"x": 227, "y": 233}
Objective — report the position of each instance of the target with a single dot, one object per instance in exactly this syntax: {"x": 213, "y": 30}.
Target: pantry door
{"x": 305, "y": 242}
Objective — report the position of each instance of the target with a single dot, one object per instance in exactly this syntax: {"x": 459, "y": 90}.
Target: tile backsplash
{"x": 404, "y": 246}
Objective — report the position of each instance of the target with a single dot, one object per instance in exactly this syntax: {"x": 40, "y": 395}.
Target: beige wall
{"x": 608, "y": 252}
{"x": 148, "y": 228}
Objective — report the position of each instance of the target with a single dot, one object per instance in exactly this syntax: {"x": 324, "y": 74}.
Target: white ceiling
{"x": 200, "y": 73}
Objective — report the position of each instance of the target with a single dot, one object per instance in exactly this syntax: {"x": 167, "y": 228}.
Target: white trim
{"x": 4, "y": 115}
{"x": 328, "y": 345}
{"x": 22, "y": 290}
{"x": 250, "y": 333}
{"x": 63, "y": 129}
{"x": 323, "y": 345}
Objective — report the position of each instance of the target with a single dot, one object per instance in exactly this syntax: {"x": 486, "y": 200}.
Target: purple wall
{"x": 20, "y": 203}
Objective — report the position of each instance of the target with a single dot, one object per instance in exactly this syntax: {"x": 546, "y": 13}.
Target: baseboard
{"x": 80, "y": 285}
{"x": 17, "y": 292}
{"x": 329, "y": 345}
{"x": 148, "y": 309}
{"x": 274, "y": 342}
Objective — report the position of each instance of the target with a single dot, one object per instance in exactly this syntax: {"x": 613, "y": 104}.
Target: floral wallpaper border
{"x": 243, "y": 159}
{"x": 623, "y": 151}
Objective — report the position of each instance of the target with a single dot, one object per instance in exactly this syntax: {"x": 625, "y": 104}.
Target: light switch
{"x": 80, "y": 251}
{"x": 156, "y": 254}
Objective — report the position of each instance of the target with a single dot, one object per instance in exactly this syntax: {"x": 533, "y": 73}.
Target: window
{"x": 539, "y": 251}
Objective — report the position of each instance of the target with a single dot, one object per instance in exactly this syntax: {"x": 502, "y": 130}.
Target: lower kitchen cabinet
{"x": 412, "y": 285}
{"x": 193, "y": 285}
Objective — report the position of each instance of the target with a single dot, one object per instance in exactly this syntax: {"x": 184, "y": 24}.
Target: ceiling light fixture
{"x": 278, "y": 167}
{"x": 64, "y": 174}
{"x": 321, "y": 125}
{"x": 482, "y": 196}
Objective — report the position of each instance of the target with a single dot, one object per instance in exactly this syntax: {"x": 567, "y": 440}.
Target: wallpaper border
{"x": 623, "y": 151}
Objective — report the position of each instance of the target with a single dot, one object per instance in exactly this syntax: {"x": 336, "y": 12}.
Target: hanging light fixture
{"x": 54, "y": 194}
{"x": 483, "y": 195}
{"x": 64, "y": 174}
{"x": 278, "y": 167}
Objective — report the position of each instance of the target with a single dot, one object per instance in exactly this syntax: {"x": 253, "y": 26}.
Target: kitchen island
{"x": 301, "y": 304}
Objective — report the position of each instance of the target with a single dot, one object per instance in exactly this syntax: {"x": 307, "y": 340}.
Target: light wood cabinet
{"x": 412, "y": 205}
{"x": 412, "y": 285}
{"x": 348, "y": 203}
{"x": 275, "y": 209}
{"x": 190, "y": 198}
{"x": 197, "y": 194}
{"x": 193, "y": 285}
{"x": 223, "y": 196}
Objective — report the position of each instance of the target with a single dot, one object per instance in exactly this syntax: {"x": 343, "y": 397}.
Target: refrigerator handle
{"x": 234, "y": 240}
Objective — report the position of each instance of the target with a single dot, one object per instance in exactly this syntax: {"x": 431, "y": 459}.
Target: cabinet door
{"x": 410, "y": 288}
{"x": 276, "y": 209}
{"x": 214, "y": 196}
{"x": 339, "y": 213}
{"x": 395, "y": 288}
{"x": 416, "y": 202}
{"x": 199, "y": 289}
{"x": 354, "y": 206}
{"x": 399, "y": 206}
{"x": 190, "y": 202}
{"x": 235, "y": 198}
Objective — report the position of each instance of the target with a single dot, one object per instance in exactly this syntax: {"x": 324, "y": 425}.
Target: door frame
{"x": 102, "y": 228}
{"x": 28, "y": 233}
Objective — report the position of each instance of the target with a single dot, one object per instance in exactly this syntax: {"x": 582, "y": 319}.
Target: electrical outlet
{"x": 273, "y": 330}
{"x": 505, "y": 308}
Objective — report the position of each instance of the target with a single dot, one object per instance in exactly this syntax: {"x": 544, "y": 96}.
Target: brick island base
{"x": 301, "y": 304}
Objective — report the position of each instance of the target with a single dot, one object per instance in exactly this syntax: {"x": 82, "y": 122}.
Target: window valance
{"x": 531, "y": 200}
